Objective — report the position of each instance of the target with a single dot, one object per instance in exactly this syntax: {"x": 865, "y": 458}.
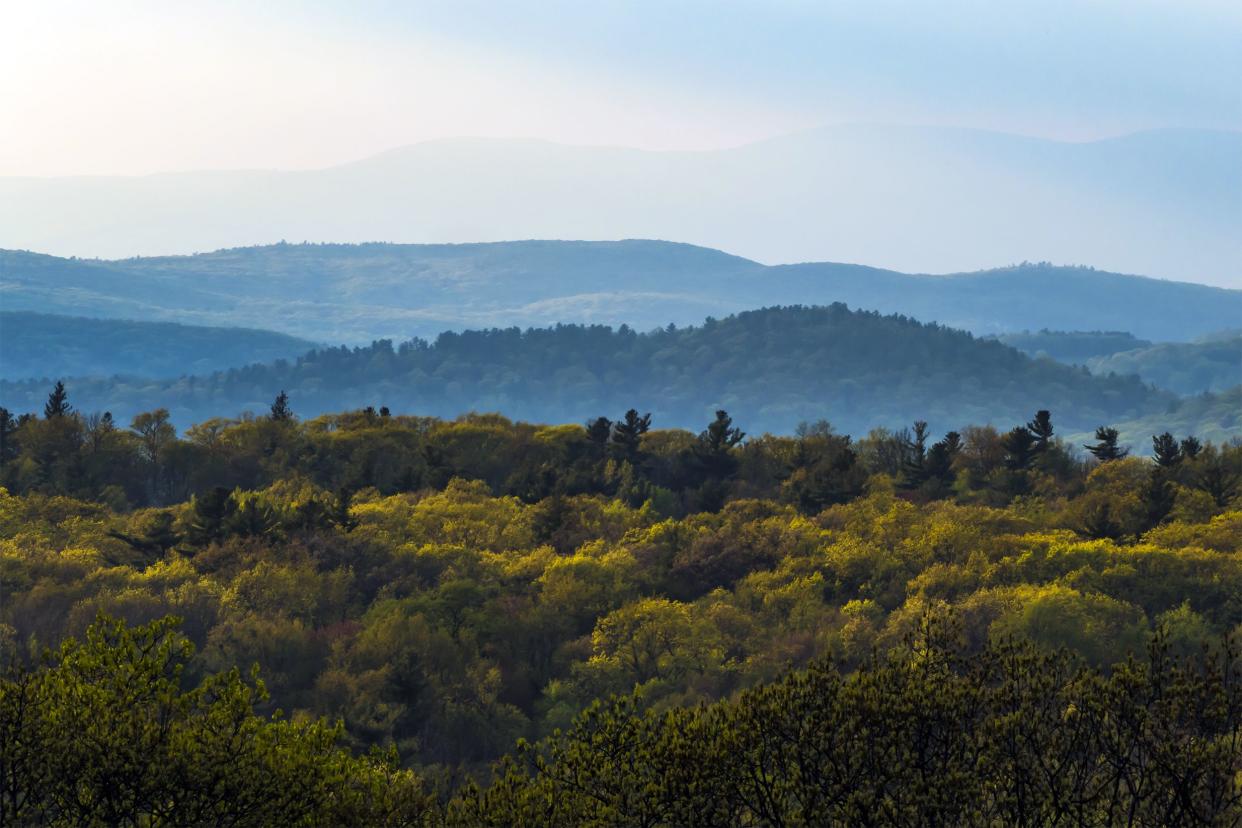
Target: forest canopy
{"x": 633, "y": 615}
{"x": 771, "y": 368}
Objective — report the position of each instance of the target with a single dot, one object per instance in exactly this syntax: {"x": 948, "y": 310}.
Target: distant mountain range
{"x": 771, "y": 369}
{"x": 1165, "y": 202}
{"x": 358, "y": 293}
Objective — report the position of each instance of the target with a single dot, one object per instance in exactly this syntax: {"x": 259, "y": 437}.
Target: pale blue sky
{"x": 132, "y": 86}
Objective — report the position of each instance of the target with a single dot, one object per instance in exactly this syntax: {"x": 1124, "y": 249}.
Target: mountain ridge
{"x": 1165, "y": 202}
{"x": 358, "y": 293}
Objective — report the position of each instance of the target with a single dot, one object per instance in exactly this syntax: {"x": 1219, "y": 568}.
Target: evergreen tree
{"x": 1041, "y": 429}
{"x": 1218, "y": 477}
{"x": 940, "y": 457}
{"x": 720, "y": 435}
{"x": 209, "y": 514}
{"x": 1020, "y": 447}
{"x": 627, "y": 434}
{"x": 57, "y": 403}
{"x": 1165, "y": 450}
{"x": 8, "y": 445}
{"x": 599, "y": 430}
{"x": 1159, "y": 496}
{"x": 914, "y": 465}
{"x": 280, "y": 408}
{"x": 1191, "y": 447}
{"x": 1105, "y": 448}
{"x": 158, "y": 536}
{"x": 340, "y": 510}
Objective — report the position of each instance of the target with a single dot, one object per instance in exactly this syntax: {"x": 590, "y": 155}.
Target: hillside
{"x": 357, "y": 293}
{"x": 1073, "y": 347}
{"x": 1181, "y": 367}
{"x": 772, "y": 369}
{"x": 44, "y": 345}
{"x": 1216, "y": 417}
{"x": 1164, "y": 202}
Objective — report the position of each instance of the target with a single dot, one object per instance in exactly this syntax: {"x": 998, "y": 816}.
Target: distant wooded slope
{"x": 771, "y": 368}
{"x": 357, "y": 293}
{"x": 43, "y": 345}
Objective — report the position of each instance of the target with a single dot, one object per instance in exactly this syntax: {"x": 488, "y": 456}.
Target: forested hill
{"x": 1210, "y": 364}
{"x": 1181, "y": 367}
{"x": 45, "y": 345}
{"x": 358, "y": 293}
{"x": 1073, "y": 347}
{"x": 771, "y": 369}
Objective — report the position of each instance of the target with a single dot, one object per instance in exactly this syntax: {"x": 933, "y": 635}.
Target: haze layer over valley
{"x": 1165, "y": 203}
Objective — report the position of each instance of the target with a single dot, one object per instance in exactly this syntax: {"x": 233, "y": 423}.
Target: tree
{"x": 57, "y": 403}
{"x": 939, "y": 465}
{"x": 8, "y": 445}
{"x": 598, "y": 431}
{"x": 110, "y": 732}
{"x": 1041, "y": 429}
{"x": 914, "y": 470}
{"x": 1218, "y": 476}
{"x": 1165, "y": 450}
{"x": 280, "y": 408}
{"x": 1105, "y": 448}
{"x": 209, "y": 514}
{"x": 720, "y": 435}
{"x": 1021, "y": 446}
{"x": 1191, "y": 447}
{"x": 627, "y": 434}
{"x": 158, "y": 535}
{"x": 154, "y": 431}
{"x": 340, "y": 510}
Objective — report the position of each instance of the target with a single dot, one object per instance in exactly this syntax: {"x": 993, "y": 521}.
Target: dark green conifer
{"x": 1165, "y": 450}
{"x": 1105, "y": 448}
{"x": 57, "y": 403}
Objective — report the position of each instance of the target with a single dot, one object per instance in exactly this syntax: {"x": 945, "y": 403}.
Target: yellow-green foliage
{"x": 452, "y": 622}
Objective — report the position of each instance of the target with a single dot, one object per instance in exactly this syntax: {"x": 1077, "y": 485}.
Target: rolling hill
{"x": 771, "y": 369}
{"x": 358, "y": 293}
{"x": 46, "y": 345}
{"x": 1073, "y": 347}
{"x": 1163, "y": 202}
{"x": 1182, "y": 367}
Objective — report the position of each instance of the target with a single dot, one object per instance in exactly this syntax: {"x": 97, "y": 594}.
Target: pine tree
{"x": 209, "y": 513}
{"x": 940, "y": 458}
{"x": 340, "y": 510}
{"x": 1105, "y": 448}
{"x": 1191, "y": 447}
{"x": 280, "y": 408}
{"x": 1020, "y": 448}
{"x": 627, "y": 434}
{"x": 599, "y": 430}
{"x": 914, "y": 466}
{"x": 1041, "y": 429}
{"x": 8, "y": 446}
{"x": 720, "y": 435}
{"x": 1165, "y": 450}
{"x": 57, "y": 403}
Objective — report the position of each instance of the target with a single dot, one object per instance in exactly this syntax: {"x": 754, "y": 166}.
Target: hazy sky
{"x": 136, "y": 87}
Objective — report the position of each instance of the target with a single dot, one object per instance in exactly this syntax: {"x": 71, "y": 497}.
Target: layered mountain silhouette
{"x": 358, "y": 293}
{"x": 1166, "y": 203}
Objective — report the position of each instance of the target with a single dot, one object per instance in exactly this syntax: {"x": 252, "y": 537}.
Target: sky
{"x": 134, "y": 87}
